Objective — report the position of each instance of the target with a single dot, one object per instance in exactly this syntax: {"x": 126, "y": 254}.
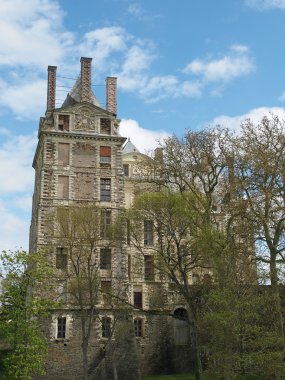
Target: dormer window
{"x": 105, "y": 126}
{"x": 63, "y": 122}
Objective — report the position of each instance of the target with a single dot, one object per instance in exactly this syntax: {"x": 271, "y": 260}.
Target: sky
{"x": 180, "y": 64}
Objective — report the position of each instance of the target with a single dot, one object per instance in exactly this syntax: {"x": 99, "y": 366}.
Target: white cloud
{"x": 144, "y": 139}
{"x": 25, "y": 99}
{"x": 14, "y": 231}
{"x": 16, "y": 155}
{"x": 102, "y": 42}
{"x": 35, "y": 32}
{"x": 265, "y": 4}
{"x": 255, "y": 115}
{"x": 235, "y": 64}
{"x": 137, "y": 11}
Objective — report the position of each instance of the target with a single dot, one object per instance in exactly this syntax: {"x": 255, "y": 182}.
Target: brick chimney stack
{"x": 85, "y": 79}
{"x": 51, "y": 89}
{"x": 111, "y": 95}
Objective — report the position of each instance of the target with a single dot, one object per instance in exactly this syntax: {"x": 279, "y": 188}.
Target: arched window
{"x": 106, "y": 327}
{"x": 181, "y": 327}
{"x": 138, "y": 326}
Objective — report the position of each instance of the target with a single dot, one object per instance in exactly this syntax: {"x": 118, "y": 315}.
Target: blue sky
{"x": 180, "y": 64}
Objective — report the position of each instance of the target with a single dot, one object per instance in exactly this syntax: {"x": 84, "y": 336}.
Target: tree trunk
{"x": 276, "y": 297}
{"x": 85, "y": 358}
{"x": 196, "y": 349}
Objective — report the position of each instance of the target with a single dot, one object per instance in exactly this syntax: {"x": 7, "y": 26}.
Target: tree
{"x": 259, "y": 171}
{"x": 81, "y": 231}
{"x": 168, "y": 226}
{"x": 20, "y": 313}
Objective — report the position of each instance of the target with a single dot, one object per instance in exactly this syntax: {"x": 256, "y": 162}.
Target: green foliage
{"x": 239, "y": 332}
{"x": 20, "y": 311}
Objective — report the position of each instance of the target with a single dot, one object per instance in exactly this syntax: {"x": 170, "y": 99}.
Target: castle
{"x": 81, "y": 160}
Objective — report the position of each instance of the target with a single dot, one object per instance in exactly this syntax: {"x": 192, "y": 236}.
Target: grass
{"x": 170, "y": 377}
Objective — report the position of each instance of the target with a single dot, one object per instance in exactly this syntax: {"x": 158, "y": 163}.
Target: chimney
{"x": 85, "y": 79}
{"x": 111, "y": 95}
{"x": 51, "y": 89}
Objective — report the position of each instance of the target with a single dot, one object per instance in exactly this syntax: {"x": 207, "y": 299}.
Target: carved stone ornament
{"x": 85, "y": 120}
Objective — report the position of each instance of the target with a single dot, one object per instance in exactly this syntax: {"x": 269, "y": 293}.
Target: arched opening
{"x": 181, "y": 327}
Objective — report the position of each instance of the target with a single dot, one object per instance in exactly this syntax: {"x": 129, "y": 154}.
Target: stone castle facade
{"x": 81, "y": 159}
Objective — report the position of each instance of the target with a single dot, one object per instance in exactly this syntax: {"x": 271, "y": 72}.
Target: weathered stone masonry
{"x": 80, "y": 156}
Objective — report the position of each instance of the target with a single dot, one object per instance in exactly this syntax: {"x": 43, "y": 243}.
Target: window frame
{"x": 61, "y": 328}
{"x": 149, "y": 268}
{"x": 61, "y": 251}
{"x": 105, "y": 258}
{"x": 106, "y": 331}
{"x": 148, "y": 233}
{"x": 138, "y": 299}
{"x": 105, "y": 189}
{"x": 138, "y": 327}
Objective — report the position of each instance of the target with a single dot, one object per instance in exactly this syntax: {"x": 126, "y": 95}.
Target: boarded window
{"x": 148, "y": 268}
{"x": 61, "y": 328}
{"x": 63, "y": 186}
{"x": 138, "y": 327}
{"x": 180, "y": 327}
{"x": 63, "y": 154}
{"x": 138, "y": 299}
{"x": 61, "y": 258}
{"x": 63, "y": 122}
{"x": 105, "y": 189}
{"x": 195, "y": 278}
{"x": 126, "y": 170}
{"x": 105, "y": 156}
{"x": 105, "y": 258}
{"x": 105, "y": 126}
{"x": 148, "y": 232}
{"x": 106, "y": 290}
{"x": 105, "y": 223}
{"x": 106, "y": 327}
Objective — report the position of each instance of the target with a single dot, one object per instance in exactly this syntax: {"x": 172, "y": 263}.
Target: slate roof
{"x": 129, "y": 147}
{"x": 74, "y": 96}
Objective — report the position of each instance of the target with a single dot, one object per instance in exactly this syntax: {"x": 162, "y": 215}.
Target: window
{"x": 63, "y": 122}
{"x": 106, "y": 327}
{"x": 105, "y": 258}
{"x": 105, "y": 156}
{"x": 105, "y": 223}
{"x": 61, "y": 258}
{"x": 105, "y": 126}
{"x": 138, "y": 327}
{"x": 148, "y": 268}
{"x": 207, "y": 279}
{"x": 63, "y": 186}
{"x": 138, "y": 299}
{"x": 63, "y": 154}
{"x": 105, "y": 189}
{"x": 126, "y": 170}
{"x": 61, "y": 328}
{"x": 106, "y": 289}
{"x": 148, "y": 232}
{"x": 181, "y": 329}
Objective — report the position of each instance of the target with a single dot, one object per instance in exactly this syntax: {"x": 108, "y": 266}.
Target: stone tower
{"x": 79, "y": 152}
{"x": 78, "y": 162}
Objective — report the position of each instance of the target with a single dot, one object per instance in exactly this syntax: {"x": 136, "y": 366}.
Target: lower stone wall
{"x": 126, "y": 355}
